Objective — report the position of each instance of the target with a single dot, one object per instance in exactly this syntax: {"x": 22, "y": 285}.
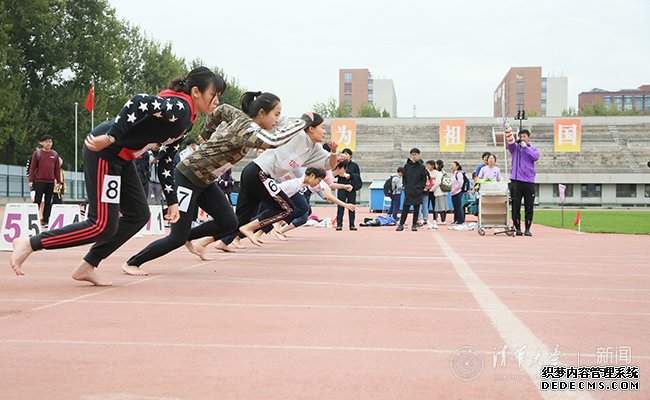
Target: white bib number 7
{"x": 184, "y": 197}
{"x": 111, "y": 189}
{"x": 272, "y": 187}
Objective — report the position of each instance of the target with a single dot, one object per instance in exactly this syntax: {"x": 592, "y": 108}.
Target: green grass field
{"x": 598, "y": 221}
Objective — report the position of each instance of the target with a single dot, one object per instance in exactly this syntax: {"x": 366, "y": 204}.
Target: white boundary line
{"x": 514, "y": 332}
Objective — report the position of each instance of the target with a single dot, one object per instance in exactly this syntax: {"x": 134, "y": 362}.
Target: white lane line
{"x": 514, "y": 332}
{"x": 325, "y": 306}
{"x": 230, "y": 346}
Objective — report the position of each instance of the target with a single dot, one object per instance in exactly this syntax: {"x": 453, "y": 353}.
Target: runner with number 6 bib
{"x": 258, "y": 179}
{"x": 112, "y": 183}
{"x": 232, "y": 133}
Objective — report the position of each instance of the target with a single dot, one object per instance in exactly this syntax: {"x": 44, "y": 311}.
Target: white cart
{"x": 493, "y": 208}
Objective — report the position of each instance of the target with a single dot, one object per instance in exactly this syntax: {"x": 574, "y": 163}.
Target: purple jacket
{"x": 523, "y": 162}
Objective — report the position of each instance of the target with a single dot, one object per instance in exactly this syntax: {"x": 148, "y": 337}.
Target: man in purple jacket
{"x": 522, "y": 177}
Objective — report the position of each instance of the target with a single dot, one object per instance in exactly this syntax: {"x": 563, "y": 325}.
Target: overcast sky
{"x": 445, "y": 57}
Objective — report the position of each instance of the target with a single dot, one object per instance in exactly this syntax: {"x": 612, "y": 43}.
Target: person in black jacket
{"x": 414, "y": 181}
{"x": 112, "y": 183}
{"x": 352, "y": 176}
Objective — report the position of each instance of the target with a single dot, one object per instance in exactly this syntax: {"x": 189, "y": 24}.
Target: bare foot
{"x": 133, "y": 270}
{"x": 258, "y": 235}
{"x": 200, "y": 248}
{"x": 280, "y": 235}
{"x": 219, "y": 245}
{"x": 22, "y": 250}
{"x": 250, "y": 235}
{"x": 237, "y": 243}
{"x": 86, "y": 272}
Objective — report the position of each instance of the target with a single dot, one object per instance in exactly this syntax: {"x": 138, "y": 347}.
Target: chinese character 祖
{"x": 346, "y": 135}
{"x": 452, "y": 135}
{"x": 604, "y": 355}
{"x": 567, "y": 134}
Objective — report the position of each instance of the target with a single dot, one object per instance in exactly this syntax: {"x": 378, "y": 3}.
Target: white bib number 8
{"x": 272, "y": 187}
{"x": 111, "y": 189}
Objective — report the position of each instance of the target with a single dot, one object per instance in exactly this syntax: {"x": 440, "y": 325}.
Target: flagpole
{"x": 76, "y": 141}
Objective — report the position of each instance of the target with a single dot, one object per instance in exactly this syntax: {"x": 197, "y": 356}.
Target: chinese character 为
{"x": 452, "y": 135}
{"x": 501, "y": 353}
{"x": 604, "y": 355}
{"x": 567, "y": 134}
{"x": 624, "y": 354}
{"x": 346, "y": 135}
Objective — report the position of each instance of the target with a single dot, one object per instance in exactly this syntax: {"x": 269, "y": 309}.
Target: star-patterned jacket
{"x": 145, "y": 120}
{"x": 233, "y": 135}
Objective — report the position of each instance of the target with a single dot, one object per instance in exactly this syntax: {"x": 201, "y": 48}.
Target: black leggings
{"x": 256, "y": 188}
{"x": 104, "y": 225}
{"x": 190, "y": 198}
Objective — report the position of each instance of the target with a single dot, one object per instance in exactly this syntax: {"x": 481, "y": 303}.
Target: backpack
{"x": 445, "y": 182}
{"x": 466, "y": 186}
{"x": 388, "y": 186}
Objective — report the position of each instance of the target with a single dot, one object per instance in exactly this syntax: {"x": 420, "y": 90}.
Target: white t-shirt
{"x": 300, "y": 151}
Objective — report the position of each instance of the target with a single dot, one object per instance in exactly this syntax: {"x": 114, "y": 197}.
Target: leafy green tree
{"x": 368, "y": 111}
{"x": 570, "y": 112}
{"x": 385, "y": 114}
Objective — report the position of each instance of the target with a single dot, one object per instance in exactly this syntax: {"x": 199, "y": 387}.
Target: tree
{"x": 368, "y": 111}
{"x": 570, "y": 112}
{"x": 385, "y": 114}
{"x": 600, "y": 109}
{"x": 331, "y": 109}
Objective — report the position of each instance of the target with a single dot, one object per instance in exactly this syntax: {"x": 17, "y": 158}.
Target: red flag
{"x": 90, "y": 99}
{"x": 577, "y": 221}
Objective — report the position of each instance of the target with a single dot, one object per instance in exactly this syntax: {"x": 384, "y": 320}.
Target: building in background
{"x": 622, "y": 100}
{"x": 357, "y": 86}
{"x": 524, "y": 88}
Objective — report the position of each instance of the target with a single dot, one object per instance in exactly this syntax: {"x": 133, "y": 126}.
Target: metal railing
{"x": 14, "y": 183}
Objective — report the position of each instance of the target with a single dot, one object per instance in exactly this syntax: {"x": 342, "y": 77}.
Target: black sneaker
{"x": 414, "y": 228}
{"x": 519, "y": 233}
{"x": 353, "y": 228}
{"x": 527, "y": 233}
{"x": 400, "y": 227}
{"x": 339, "y": 228}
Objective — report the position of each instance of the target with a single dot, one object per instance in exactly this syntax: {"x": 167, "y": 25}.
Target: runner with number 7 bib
{"x": 112, "y": 183}
{"x": 232, "y": 133}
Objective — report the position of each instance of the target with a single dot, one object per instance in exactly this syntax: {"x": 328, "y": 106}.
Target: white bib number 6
{"x": 111, "y": 189}
{"x": 184, "y": 197}
{"x": 272, "y": 187}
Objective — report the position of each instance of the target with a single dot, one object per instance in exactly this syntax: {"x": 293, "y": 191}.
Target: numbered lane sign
{"x": 19, "y": 220}
{"x": 155, "y": 225}
{"x": 64, "y": 214}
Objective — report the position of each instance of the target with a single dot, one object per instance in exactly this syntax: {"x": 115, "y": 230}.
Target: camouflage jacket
{"x": 234, "y": 135}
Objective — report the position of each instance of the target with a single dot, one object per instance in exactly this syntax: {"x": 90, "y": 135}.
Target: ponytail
{"x": 253, "y": 102}
{"x": 200, "y": 77}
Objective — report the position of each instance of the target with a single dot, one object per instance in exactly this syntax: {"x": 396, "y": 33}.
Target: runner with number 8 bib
{"x": 112, "y": 183}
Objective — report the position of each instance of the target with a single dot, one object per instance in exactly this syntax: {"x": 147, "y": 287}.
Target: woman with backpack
{"x": 457, "y": 183}
{"x": 440, "y": 195}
